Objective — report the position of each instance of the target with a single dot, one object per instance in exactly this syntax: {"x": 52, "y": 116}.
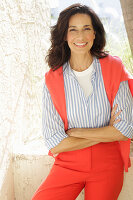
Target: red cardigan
{"x": 113, "y": 72}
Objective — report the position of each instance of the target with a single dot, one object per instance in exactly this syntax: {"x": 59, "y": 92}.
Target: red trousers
{"x": 98, "y": 169}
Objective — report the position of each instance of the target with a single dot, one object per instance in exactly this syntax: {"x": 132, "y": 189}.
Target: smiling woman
{"x": 84, "y": 94}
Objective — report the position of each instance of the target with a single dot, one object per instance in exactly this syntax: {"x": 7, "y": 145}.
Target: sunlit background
{"x": 24, "y": 41}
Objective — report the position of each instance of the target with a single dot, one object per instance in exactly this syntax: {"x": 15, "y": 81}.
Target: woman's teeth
{"x": 80, "y": 44}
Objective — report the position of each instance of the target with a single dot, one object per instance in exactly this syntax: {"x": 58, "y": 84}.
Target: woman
{"x": 87, "y": 113}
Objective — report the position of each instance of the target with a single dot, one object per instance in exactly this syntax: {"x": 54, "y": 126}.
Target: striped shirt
{"x": 93, "y": 111}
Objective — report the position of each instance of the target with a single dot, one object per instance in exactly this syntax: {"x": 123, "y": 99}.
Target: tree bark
{"x": 127, "y": 10}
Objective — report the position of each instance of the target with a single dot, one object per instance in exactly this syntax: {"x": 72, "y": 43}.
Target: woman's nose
{"x": 80, "y": 34}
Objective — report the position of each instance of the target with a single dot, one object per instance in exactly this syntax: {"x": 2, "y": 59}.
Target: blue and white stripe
{"x": 91, "y": 112}
{"x": 125, "y": 103}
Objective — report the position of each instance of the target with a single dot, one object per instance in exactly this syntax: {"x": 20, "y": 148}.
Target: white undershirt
{"x": 84, "y": 79}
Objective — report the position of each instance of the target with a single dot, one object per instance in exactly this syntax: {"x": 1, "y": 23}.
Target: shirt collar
{"x": 68, "y": 71}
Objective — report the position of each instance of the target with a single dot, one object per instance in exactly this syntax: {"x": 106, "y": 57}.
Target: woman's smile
{"x": 81, "y": 45}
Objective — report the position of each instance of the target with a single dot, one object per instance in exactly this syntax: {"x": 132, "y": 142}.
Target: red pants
{"x": 97, "y": 169}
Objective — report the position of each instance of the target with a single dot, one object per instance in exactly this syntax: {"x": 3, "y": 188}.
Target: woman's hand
{"x": 74, "y": 132}
{"x": 113, "y": 119}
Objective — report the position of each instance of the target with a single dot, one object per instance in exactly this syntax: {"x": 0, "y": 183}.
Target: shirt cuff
{"x": 125, "y": 128}
{"x": 55, "y": 139}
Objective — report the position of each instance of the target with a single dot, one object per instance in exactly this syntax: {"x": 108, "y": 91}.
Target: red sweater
{"x": 113, "y": 72}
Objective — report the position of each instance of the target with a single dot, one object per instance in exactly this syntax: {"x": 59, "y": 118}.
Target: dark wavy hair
{"x": 59, "y": 51}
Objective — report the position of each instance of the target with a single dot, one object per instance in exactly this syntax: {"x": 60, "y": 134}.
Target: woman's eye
{"x": 72, "y": 29}
{"x": 87, "y": 29}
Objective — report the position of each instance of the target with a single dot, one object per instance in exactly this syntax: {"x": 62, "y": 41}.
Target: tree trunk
{"x": 127, "y": 9}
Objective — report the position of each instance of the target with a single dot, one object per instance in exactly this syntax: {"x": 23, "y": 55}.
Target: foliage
{"x": 117, "y": 40}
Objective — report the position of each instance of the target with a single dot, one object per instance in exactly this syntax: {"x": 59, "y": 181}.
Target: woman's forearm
{"x": 71, "y": 144}
{"x": 103, "y": 134}
{"x": 84, "y": 137}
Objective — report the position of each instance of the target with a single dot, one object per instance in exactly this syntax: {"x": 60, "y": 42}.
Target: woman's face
{"x": 80, "y": 34}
